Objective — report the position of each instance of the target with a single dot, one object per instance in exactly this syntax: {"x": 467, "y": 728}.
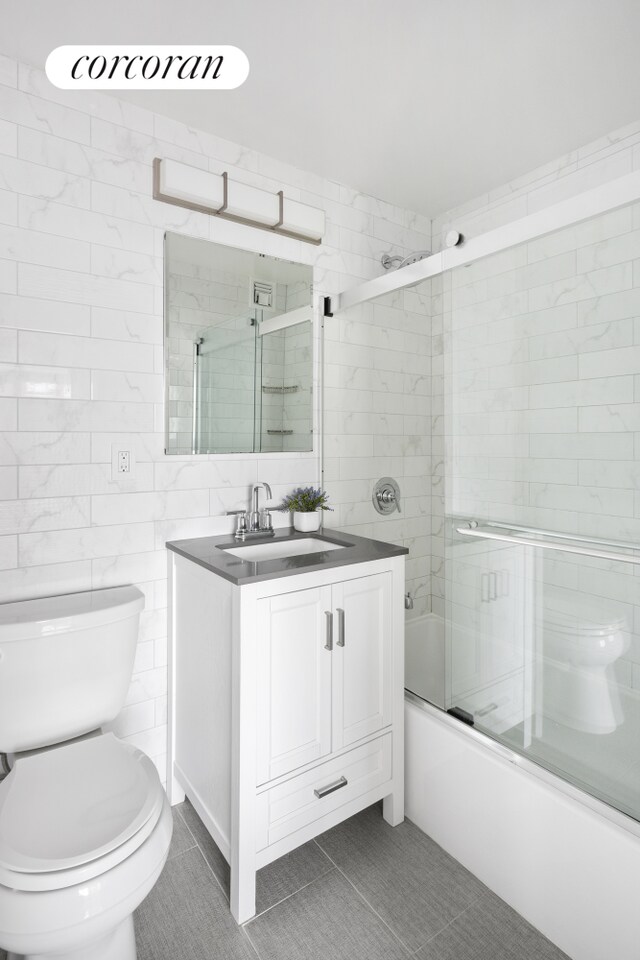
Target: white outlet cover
{"x": 116, "y": 450}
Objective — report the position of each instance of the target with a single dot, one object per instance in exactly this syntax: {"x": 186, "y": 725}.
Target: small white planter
{"x": 306, "y": 522}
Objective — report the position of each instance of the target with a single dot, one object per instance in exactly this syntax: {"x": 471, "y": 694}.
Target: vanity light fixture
{"x": 217, "y": 195}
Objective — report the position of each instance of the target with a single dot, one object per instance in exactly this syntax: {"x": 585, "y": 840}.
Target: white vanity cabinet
{"x": 326, "y": 657}
{"x": 286, "y": 705}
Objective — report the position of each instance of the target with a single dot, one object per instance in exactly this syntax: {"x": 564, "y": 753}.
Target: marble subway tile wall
{"x": 81, "y": 330}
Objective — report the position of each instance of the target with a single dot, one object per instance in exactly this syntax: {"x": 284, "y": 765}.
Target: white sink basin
{"x": 280, "y": 549}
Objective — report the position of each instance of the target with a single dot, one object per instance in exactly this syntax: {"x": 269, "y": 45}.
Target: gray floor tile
{"x": 182, "y": 838}
{"x": 408, "y": 879}
{"x": 490, "y": 930}
{"x": 209, "y": 849}
{"x": 289, "y": 874}
{"x": 274, "y": 882}
{"x": 186, "y": 916}
{"x": 325, "y": 919}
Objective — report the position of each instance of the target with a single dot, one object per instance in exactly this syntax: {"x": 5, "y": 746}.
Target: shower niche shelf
{"x": 281, "y": 390}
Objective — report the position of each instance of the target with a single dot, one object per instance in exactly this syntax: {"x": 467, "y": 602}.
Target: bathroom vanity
{"x": 286, "y": 684}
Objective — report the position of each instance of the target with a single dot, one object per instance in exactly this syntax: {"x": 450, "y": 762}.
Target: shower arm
{"x": 398, "y": 262}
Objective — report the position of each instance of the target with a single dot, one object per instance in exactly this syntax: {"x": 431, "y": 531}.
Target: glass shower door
{"x": 224, "y": 407}
{"x": 541, "y": 517}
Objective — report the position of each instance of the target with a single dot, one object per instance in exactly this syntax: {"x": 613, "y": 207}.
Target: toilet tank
{"x": 65, "y": 664}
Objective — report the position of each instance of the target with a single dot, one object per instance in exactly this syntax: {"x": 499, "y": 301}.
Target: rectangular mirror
{"x": 238, "y": 350}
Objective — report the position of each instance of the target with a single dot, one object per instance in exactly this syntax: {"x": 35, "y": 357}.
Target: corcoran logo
{"x": 147, "y": 68}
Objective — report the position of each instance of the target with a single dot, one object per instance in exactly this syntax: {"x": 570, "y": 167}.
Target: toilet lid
{"x": 73, "y": 804}
{"x": 580, "y": 615}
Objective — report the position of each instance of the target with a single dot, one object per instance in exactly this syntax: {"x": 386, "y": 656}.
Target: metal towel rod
{"x": 488, "y": 532}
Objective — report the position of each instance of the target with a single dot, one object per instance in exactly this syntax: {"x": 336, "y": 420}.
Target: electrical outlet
{"x": 123, "y": 462}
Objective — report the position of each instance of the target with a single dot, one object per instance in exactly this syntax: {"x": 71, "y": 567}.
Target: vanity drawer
{"x": 290, "y": 806}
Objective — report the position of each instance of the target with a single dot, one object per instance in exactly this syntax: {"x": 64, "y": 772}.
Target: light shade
{"x": 199, "y": 188}
{"x": 250, "y": 203}
{"x": 302, "y": 219}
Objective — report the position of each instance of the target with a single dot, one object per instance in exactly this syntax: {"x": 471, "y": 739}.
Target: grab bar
{"x": 487, "y": 532}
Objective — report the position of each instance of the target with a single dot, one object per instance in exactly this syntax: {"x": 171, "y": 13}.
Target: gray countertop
{"x": 209, "y": 552}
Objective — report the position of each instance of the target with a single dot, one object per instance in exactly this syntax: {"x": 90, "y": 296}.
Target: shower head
{"x": 397, "y": 263}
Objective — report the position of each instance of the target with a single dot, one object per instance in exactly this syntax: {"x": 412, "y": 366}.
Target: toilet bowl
{"x": 581, "y": 642}
{"x": 85, "y": 825}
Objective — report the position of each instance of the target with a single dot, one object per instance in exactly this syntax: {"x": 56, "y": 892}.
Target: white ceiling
{"x": 425, "y": 103}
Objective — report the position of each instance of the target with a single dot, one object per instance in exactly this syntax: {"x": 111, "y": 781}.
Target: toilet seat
{"x": 73, "y": 812}
{"x": 580, "y": 617}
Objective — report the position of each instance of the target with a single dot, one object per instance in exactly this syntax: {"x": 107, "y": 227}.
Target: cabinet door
{"x": 362, "y": 658}
{"x": 294, "y": 681}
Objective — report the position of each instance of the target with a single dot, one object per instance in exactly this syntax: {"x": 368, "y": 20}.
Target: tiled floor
{"x": 363, "y": 891}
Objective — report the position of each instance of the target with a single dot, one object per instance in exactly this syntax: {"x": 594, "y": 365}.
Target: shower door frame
{"x": 583, "y": 206}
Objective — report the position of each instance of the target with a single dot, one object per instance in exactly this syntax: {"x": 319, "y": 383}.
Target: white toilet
{"x": 581, "y": 642}
{"x": 85, "y": 825}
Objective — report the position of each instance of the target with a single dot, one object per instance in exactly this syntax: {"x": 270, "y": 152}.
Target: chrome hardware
{"x": 490, "y": 707}
{"x": 493, "y": 585}
{"x": 565, "y": 543}
{"x": 331, "y": 788}
{"x": 241, "y": 523}
{"x": 293, "y": 388}
{"x": 258, "y": 523}
{"x": 398, "y": 262}
{"x": 453, "y": 239}
{"x": 340, "y": 613}
{"x": 408, "y": 601}
{"x": 484, "y": 588}
{"x": 386, "y": 496}
{"x": 328, "y": 644}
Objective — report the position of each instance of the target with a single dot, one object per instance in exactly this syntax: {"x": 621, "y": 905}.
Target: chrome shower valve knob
{"x": 386, "y": 496}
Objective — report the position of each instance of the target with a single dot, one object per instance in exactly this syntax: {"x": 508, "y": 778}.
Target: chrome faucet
{"x": 258, "y": 524}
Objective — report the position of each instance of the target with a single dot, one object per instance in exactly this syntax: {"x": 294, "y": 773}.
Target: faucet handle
{"x": 241, "y": 521}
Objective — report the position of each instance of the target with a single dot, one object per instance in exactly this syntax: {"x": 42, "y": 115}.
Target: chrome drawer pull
{"x": 328, "y": 645}
{"x": 340, "y": 613}
{"x": 331, "y": 788}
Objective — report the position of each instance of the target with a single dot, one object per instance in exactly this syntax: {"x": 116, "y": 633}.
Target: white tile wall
{"x": 81, "y": 352}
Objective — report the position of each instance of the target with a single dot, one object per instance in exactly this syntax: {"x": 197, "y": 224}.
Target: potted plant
{"x": 306, "y": 504}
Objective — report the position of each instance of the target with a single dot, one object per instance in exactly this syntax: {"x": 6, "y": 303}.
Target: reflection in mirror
{"x": 238, "y": 350}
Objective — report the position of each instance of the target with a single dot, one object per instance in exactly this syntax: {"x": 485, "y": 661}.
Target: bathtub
{"x": 567, "y": 862}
